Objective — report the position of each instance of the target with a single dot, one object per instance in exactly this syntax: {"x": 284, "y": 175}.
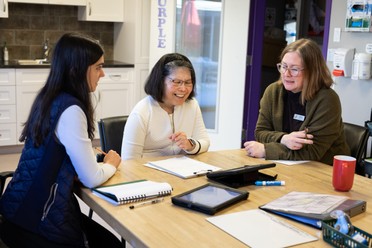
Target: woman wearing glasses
{"x": 168, "y": 121}
{"x": 300, "y": 115}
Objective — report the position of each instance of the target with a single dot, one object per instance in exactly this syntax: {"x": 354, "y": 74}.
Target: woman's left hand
{"x": 181, "y": 140}
{"x": 255, "y": 149}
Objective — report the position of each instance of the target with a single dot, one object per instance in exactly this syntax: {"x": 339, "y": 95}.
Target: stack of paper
{"x": 183, "y": 167}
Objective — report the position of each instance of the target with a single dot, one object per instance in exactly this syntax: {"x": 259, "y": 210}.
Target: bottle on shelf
{"x": 5, "y": 53}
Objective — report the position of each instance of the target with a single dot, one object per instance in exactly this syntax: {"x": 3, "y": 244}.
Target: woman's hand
{"x": 112, "y": 158}
{"x": 255, "y": 149}
{"x": 297, "y": 140}
{"x": 181, "y": 140}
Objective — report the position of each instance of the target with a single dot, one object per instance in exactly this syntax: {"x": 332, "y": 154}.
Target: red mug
{"x": 343, "y": 172}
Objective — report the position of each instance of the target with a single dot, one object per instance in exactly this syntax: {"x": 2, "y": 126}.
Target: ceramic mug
{"x": 343, "y": 172}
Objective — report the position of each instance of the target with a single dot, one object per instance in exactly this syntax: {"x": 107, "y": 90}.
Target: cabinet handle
{"x": 90, "y": 8}
{"x": 5, "y": 5}
{"x": 115, "y": 77}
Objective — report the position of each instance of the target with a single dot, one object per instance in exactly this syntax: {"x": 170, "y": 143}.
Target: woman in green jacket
{"x": 300, "y": 115}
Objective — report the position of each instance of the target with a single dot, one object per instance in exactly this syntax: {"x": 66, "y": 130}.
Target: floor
{"x": 10, "y": 161}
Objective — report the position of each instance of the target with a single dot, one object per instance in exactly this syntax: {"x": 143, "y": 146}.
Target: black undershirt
{"x": 294, "y": 112}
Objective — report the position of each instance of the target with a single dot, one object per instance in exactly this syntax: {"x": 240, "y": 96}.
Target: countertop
{"x": 108, "y": 63}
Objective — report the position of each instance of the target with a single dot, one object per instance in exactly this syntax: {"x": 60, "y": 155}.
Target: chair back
{"x": 356, "y": 138}
{"x": 111, "y": 132}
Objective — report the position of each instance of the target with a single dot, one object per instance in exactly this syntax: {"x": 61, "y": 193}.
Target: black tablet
{"x": 241, "y": 176}
{"x": 209, "y": 198}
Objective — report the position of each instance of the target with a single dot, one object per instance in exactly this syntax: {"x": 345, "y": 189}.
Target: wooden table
{"x": 167, "y": 225}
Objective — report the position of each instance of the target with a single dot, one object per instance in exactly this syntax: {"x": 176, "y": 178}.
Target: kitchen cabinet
{"x": 115, "y": 94}
{"x": 4, "y": 9}
{"x": 57, "y": 2}
{"x": 105, "y": 11}
{"x": 8, "y": 127}
{"x": 28, "y": 84}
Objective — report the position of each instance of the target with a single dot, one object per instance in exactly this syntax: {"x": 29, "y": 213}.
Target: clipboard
{"x": 209, "y": 198}
{"x": 242, "y": 176}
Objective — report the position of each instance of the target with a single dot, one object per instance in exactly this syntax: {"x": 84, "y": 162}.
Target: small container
{"x": 338, "y": 239}
{"x": 6, "y": 53}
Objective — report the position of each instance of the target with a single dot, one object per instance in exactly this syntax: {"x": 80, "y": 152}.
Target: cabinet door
{"x": 105, "y": 11}
{"x": 7, "y": 134}
{"x": 69, "y": 2}
{"x": 29, "y": 1}
{"x": 115, "y": 100}
{"x": 28, "y": 84}
{"x": 4, "y": 9}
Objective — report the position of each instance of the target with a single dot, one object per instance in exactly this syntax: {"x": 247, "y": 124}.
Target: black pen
{"x": 154, "y": 201}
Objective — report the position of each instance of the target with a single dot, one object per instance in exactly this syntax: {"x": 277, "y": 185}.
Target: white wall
{"x": 355, "y": 95}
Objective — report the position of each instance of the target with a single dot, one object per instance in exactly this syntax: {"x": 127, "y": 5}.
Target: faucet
{"x": 46, "y": 50}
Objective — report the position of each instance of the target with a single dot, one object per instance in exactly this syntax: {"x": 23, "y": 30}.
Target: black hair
{"x": 155, "y": 85}
{"x": 72, "y": 56}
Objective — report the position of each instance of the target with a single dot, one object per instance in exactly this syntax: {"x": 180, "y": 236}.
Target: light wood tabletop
{"x": 166, "y": 225}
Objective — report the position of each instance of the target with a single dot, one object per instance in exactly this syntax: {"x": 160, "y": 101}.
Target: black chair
{"x": 111, "y": 136}
{"x": 356, "y": 138}
{"x": 111, "y": 132}
{"x": 4, "y": 176}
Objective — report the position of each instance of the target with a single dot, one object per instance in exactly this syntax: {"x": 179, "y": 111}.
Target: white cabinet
{"x": 29, "y": 1}
{"x": 105, "y": 11}
{"x": 8, "y": 127}
{"x": 4, "y": 9}
{"x": 115, "y": 94}
{"x": 28, "y": 84}
{"x": 57, "y": 2}
{"x": 69, "y": 2}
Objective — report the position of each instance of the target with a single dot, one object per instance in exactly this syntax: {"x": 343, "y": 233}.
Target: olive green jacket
{"x": 323, "y": 120}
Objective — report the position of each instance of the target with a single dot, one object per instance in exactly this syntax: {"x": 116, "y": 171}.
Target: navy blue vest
{"x": 40, "y": 196}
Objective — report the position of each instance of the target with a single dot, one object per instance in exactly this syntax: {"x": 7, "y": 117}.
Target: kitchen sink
{"x": 33, "y": 62}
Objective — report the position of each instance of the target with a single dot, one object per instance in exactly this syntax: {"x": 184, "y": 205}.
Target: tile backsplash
{"x": 29, "y": 25}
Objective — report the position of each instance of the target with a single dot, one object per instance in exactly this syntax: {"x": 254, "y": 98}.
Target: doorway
{"x": 266, "y": 39}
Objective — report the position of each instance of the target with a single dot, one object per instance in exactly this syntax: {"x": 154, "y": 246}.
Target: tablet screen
{"x": 210, "y": 196}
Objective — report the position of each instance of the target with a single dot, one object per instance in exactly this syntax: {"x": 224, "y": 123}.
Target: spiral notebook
{"x": 133, "y": 191}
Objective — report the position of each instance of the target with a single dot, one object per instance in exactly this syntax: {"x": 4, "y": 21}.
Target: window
{"x": 198, "y": 25}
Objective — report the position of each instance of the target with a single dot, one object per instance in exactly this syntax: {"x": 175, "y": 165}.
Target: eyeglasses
{"x": 293, "y": 71}
{"x": 179, "y": 83}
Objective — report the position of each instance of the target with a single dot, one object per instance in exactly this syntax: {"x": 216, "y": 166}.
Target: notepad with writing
{"x": 310, "y": 208}
{"x": 133, "y": 191}
{"x": 183, "y": 167}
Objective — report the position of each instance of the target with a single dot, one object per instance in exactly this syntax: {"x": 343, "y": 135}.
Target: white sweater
{"x": 149, "y": 126}
{"x": 71, "y": 130}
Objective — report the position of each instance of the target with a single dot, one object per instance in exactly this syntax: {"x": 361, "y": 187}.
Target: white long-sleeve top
{"x": 71, "y": 130}
{"x": 148, "y": 128}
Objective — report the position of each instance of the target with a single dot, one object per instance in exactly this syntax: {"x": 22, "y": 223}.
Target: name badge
{"x": 298, "y": 117}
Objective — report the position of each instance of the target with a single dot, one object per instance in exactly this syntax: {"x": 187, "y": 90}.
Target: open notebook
{"x": 134, "y": 191}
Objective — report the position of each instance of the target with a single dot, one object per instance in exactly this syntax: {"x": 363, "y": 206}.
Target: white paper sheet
{"x": 257, "y": 229}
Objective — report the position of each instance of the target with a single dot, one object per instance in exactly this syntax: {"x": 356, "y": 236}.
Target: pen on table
{"x": 100, "y": 150}
{"x": 201, "y": 172}
{"x": 269, "y": 183}
{"x": 146, "y": 203}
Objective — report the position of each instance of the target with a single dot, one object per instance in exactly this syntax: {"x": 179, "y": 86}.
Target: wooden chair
{"x": 356, "y": 138}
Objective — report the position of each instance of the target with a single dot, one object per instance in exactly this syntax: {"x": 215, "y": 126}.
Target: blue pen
{"x": 270, "y": 183}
